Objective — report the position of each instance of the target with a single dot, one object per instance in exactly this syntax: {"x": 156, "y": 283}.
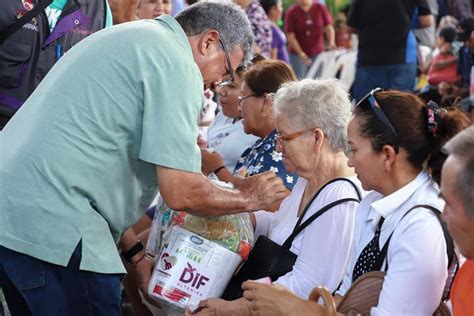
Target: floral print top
{"x": 262, "y": 156}
{"x": 261, "y": 27}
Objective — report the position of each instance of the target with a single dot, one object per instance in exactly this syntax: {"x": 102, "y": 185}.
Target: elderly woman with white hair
{"x": 311, "y": 120}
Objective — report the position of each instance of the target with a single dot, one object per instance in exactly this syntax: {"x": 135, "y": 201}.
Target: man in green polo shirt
{"x": 113, "y": 121}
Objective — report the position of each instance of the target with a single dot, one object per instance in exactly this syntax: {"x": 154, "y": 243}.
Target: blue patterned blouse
{"x": 262, "y": 156}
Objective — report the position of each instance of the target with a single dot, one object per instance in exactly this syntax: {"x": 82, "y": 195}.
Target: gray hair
{"x": 462, "y": 146}
{"x": 316, "y": 103}
{"x": 226, "y": 18}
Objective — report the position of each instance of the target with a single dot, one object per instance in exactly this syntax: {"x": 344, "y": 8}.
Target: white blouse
{"x": 417, "y": 260}
{"x": 324, "y": 247}
{"x": 229, "y": 139}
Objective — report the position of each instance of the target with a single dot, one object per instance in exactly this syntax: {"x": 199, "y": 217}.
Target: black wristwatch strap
{"x": 128, "y": 255}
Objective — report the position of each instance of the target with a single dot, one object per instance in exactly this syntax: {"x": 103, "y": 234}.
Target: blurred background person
{"x": 442, "y": 68}
{"x": 343, "y": 34}
{"x": 261, "y": 26}
{"x": 307, "y": 23}
{"x": 29, "y": 53}
{"x": 150, "y": 9}
{"x": 274, "y": 11}
{"x": 387, "y": 54}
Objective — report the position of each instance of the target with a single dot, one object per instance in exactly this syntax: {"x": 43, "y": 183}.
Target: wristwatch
{"x": 128, "y": 255}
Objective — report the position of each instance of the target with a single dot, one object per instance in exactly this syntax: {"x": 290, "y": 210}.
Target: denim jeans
{"x": 399, "y": 77}
{"x": 298, "y": 66}
{"x": 32, "y": 286}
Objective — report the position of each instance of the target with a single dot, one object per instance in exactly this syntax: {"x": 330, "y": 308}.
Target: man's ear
{"x": 208, "y": 42}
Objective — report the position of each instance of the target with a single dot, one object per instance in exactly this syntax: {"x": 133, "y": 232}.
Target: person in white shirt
{"x": 226, "y": 134}
{"x": 395, "y": 141}
{"x": 311, "y": 121}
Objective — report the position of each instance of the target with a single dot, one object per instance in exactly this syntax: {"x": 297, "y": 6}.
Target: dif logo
{"x": 190, "y": 275}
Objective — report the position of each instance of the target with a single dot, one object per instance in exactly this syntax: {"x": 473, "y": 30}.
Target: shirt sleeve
{"x": 275, "y": 39}
{"x": 318, "y": 263}
{"x": 170, "y": 119}
{"x": 327, "y": 18}
{"x": 290, "y": 21}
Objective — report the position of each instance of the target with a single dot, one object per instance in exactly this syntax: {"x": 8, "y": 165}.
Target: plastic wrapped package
{"x": 198, "y": 257}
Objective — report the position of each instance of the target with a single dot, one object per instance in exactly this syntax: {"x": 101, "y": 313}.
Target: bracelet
{"x": 218, "y": 169}
{"x": 128, "y": 255}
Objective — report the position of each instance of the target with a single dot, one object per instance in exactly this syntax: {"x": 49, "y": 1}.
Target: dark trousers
{"x": 35, "y": 287}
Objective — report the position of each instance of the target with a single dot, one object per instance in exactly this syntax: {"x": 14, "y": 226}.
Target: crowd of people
{"x": 96, "y": 120}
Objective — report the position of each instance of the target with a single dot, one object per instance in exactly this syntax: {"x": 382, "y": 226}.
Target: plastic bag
{"x": 198, "y": 257}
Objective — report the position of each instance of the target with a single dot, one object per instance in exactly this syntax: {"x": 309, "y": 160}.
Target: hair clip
{"x": 433, "y": 111}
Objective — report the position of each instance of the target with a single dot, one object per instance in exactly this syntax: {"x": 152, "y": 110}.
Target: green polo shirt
{"x": 77, "y": 162}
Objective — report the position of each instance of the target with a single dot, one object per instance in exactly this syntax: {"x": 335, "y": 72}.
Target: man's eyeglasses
{"x": 242, "y": 98}
{"x": 379, "y": 113}
{"x": 229, "y": 65}
{"x": 280, "y": 138}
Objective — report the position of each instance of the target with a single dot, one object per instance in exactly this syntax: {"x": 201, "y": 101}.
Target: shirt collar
{"x": 387, "y": 205}
{"x": 267, "y": 139}
{"x": 174, "y": 26}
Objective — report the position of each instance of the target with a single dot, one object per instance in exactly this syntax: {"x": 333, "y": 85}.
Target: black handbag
{"x": 269, "y": 259}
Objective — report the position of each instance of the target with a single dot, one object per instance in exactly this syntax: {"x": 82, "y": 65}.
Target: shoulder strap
{"x": 449, "y": 240}
{"x": 18, "y": 24}
{"x": 300, "y": 227}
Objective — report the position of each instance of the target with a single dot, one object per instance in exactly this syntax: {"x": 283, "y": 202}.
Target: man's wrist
{"x": 134, "y": 254}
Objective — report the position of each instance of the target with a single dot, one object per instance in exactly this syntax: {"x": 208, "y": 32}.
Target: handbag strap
{"x": 299, "y": 227}
{"x": 18, "y": 24}
{"x": 449, "y": 240}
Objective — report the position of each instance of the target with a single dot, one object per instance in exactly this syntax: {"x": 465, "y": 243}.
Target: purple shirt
{"x": 279, "y": 42}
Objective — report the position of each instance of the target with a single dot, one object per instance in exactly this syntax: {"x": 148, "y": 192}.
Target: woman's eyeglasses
{"x": 379, "y": 113}
{"x": 280, "y": 138}
{"x": 242, "y": 99}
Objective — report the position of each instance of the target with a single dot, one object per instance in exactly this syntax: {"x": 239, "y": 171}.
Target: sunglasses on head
{"x": 379, "y": 113}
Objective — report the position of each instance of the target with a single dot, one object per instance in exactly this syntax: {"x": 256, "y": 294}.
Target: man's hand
{"x": 304, "y": 58}
{"x": 263, "y": 190}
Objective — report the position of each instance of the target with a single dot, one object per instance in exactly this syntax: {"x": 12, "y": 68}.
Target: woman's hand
{"x": 210, "y": 161}
{"x": 265, "y": 299}
{"x": 218, "y": 307}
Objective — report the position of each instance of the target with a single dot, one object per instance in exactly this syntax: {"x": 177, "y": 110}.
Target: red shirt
{"x": 462, "y": 290}
{"x": 308, "y": 27}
